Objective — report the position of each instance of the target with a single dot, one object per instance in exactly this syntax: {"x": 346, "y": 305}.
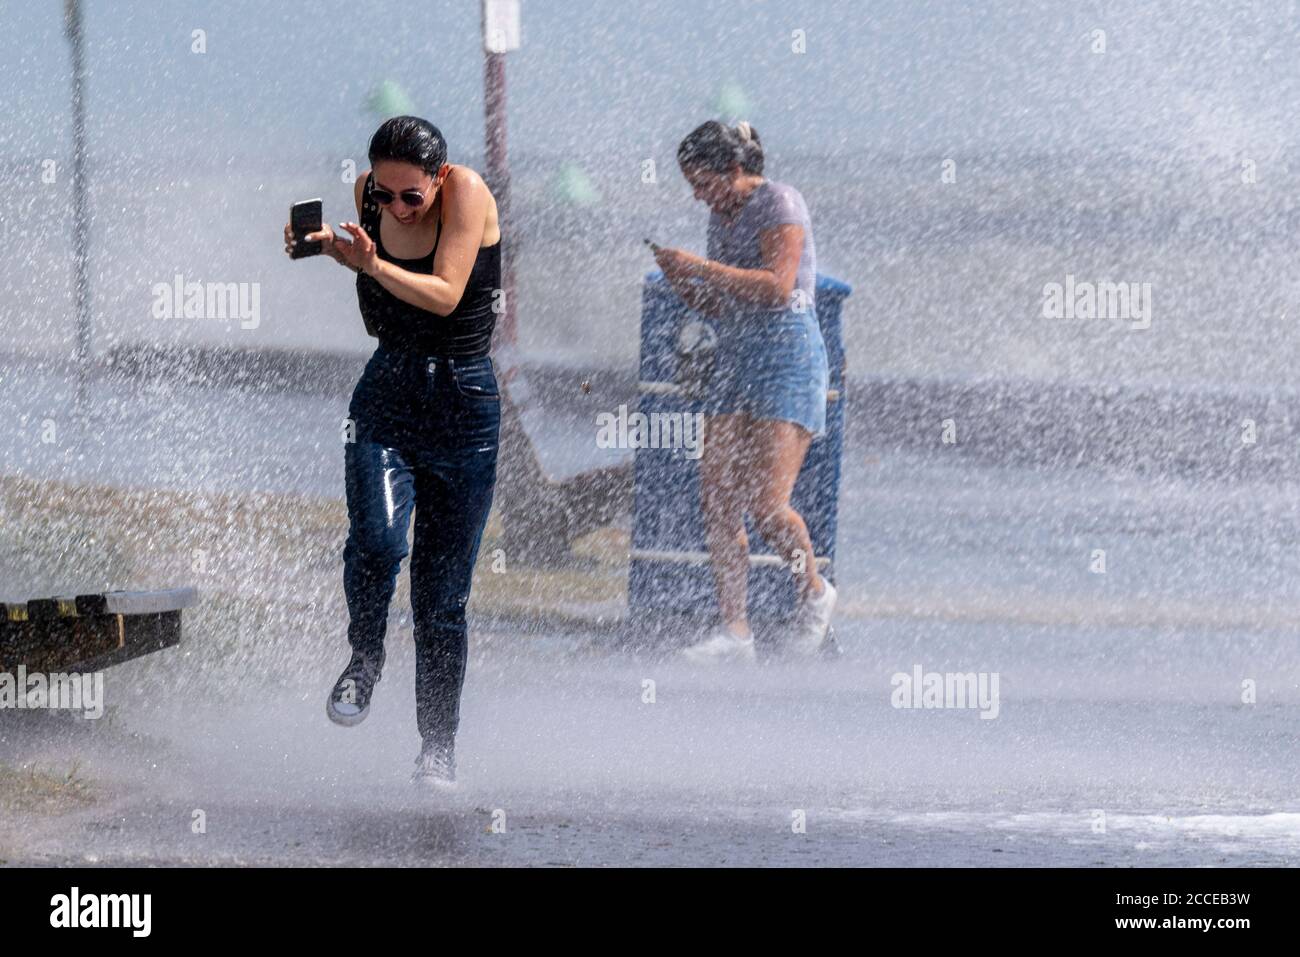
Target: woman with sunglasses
{"x": 426, "y": 416}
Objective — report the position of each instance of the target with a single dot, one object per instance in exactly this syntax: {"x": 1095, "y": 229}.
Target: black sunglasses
{"x": 411, "y": 197}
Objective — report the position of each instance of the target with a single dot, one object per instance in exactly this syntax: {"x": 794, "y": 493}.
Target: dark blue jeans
{"x": 426, "y": 430}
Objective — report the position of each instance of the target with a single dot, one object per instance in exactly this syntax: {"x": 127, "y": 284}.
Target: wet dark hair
{"x": 717, "y": 147}
{"x": 409, "y": 139}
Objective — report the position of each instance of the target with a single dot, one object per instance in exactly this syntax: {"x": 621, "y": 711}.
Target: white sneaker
{"x": 721, "y": 645}
{"x": 811, "y": 621}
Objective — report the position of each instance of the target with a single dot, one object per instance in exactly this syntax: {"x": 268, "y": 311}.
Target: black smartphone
{"x": 304, "y": 218}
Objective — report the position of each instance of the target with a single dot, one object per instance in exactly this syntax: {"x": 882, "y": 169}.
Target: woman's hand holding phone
{"x": 325, "y": 235}
{"x": 674, "y": 262}
{"x": 333, "y": 244}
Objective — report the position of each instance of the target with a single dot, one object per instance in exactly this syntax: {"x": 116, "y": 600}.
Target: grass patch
{"x": 30, "y": 788}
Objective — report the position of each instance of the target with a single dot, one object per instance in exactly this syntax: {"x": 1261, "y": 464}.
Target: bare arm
{"x": 696, "y": 295}
{"x": 465, "y": 204}
{"x": 709, "y": 283}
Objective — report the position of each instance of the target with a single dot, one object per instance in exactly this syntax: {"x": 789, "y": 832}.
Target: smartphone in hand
{"x": 304, "y": 218}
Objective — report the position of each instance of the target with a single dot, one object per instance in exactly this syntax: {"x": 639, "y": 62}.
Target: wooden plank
{"x": 90, "y": 632}
{"x": 43, "y": 609}
{"x": 60, "y": 644}
{"x": 13, "y": 611}
{"x": 142, "y": 635}
{"x": 137, "y": 602}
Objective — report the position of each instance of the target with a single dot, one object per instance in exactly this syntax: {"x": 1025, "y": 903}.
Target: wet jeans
{"x": 426, "y": 432}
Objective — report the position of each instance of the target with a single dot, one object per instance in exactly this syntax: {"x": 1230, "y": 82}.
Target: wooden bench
{"x": 90, "y": 632}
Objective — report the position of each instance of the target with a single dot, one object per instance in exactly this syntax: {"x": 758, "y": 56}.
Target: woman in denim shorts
{"x": 766, "y": 400}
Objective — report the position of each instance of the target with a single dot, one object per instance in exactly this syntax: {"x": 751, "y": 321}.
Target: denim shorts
{"x": 771, "y": 367}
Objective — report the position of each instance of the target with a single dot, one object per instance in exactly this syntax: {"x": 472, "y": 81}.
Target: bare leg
{"x": 777, "y": 451}
{"x": 722, "y": 494}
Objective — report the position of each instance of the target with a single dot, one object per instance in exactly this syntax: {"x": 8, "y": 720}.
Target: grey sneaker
{"x": 435, "y": 767}
{"x": 349, "y": 702}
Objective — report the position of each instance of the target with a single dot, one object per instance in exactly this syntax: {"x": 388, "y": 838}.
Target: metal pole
{"x": 498, "y": 179}
{"x": 80, "y": 213}
{"x": 540, "y": 516}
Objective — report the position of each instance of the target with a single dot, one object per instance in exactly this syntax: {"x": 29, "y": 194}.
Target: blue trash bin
{"x": 670, "y": 588}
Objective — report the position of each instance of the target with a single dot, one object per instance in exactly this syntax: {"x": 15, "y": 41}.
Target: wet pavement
{"x": 1124, "y": 749}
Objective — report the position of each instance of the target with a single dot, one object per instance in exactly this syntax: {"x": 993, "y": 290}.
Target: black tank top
{"x": 465, "y": 333}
